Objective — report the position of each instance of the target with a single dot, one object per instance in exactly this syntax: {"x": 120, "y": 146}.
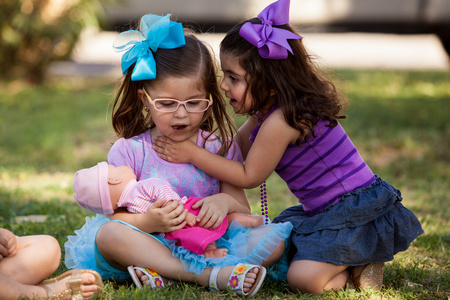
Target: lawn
{"x": 397, "y": 120}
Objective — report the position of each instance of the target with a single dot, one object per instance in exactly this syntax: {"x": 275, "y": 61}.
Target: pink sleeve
{"x": 160, "y": 189}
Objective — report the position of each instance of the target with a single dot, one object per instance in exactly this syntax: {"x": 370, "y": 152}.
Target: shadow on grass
{"x": 418, "y": 281}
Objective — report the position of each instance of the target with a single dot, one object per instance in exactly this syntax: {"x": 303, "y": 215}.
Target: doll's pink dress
{"x": 138, "y": 196}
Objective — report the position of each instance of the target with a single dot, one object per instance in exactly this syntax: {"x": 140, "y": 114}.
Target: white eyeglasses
{"x": 172, "y": 105}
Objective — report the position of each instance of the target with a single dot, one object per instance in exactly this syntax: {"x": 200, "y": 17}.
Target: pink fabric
{"x": 138, "y": 196}
{"x": 196, "y": 238}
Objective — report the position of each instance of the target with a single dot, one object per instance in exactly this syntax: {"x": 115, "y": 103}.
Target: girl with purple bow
{"x": 170, "y": 88}
{"x": 349, "y": 221}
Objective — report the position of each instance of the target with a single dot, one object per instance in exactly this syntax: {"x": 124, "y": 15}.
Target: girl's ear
{"x": 143, "y": 97}
{"x": 114, "y": 181}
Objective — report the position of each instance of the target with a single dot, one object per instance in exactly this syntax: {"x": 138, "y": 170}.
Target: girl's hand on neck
{"x": 176, "y": 152}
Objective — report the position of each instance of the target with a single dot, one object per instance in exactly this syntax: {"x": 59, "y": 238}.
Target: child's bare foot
{"x": 256, "y": 221}
{"x": 215, "y": 253}
{"x": 248, "y": 221}
{"x": 84, "y": 282}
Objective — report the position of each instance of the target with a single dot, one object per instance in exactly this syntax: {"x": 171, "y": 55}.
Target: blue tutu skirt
{"x": 367, "y": 225}
{"x": 245, "y": 245}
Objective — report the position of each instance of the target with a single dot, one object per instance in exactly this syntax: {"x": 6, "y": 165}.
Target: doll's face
{"x": 122, "y": 173}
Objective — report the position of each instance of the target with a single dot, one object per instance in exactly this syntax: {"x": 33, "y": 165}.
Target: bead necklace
{"x": 264, "y": 209}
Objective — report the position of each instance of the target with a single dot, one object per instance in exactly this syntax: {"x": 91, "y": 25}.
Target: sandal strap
{"x": 51, "y": 296}
{"x": 74, "y": 284}
{"x": 156, "y": 280}
{"x": 236, "y": 280}
{"x": 213, "y": 279}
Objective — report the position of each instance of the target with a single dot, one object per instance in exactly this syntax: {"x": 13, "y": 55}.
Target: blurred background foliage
{"x": 34, "y": 33}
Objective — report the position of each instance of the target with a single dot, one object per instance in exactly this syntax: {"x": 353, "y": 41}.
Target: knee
{"x": 109, "y": 236}
{"x": 275, "y": 256}
{"x": 53, "y": 251}
{"x": 38, "y": 256}
{"x": 106, "y": 233}
{"x": 45, "y": 250}
{"x": 303, "y": 281}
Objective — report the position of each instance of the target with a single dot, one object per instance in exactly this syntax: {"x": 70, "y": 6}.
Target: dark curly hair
{"x": 296, "y": 84}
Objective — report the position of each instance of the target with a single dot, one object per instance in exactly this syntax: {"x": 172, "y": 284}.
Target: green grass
{"x": 397, "y": 120}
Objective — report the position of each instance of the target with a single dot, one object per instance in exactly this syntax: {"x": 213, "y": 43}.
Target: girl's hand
{"x": 212, "y": 212}
{"x": 164, "y": 217}
{"x": 176, "y": 152}
{"x": 8, "y": 243}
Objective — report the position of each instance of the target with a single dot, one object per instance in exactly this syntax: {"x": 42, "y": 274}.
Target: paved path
{"x": 94, "y": 56}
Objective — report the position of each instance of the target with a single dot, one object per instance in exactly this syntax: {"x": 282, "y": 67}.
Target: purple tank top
{"x": 323, "y": 169}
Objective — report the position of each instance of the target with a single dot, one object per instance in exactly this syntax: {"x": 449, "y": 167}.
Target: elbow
{"x": 251, "y": 184}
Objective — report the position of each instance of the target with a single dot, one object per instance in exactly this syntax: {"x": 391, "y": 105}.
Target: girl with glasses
{"x": 170, "y": 89}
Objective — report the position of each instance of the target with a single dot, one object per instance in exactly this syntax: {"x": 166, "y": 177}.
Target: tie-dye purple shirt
{"x": 185, "y": 179}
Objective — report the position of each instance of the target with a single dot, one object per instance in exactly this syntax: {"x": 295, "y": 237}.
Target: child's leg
{"x": 211, "y": 251}
{"x": 277, "y": 253}
{"x": 314, "y": 277}
{"x": 122, "y": 246}
{"x": 248, "y": 221}
{"x": 37, "y": 257}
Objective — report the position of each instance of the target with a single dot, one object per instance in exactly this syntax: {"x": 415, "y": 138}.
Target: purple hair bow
{"x": 271, "y": 41}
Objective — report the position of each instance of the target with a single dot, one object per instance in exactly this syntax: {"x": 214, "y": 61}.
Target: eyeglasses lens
{"x": 193, "y": 105}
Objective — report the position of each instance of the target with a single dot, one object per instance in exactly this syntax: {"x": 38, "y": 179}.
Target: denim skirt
{"x": 367, "y": 225}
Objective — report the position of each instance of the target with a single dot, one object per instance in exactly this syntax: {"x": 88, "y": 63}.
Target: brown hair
{"x": 304, "y": 94}
{"x": 193, "y": 60}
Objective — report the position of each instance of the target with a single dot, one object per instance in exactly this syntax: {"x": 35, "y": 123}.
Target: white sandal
{"x": 236, "y": 280}
{"x": 156, "y": 280}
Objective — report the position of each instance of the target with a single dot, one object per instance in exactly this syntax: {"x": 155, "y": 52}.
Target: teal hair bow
{"x": 156, "y": 32}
